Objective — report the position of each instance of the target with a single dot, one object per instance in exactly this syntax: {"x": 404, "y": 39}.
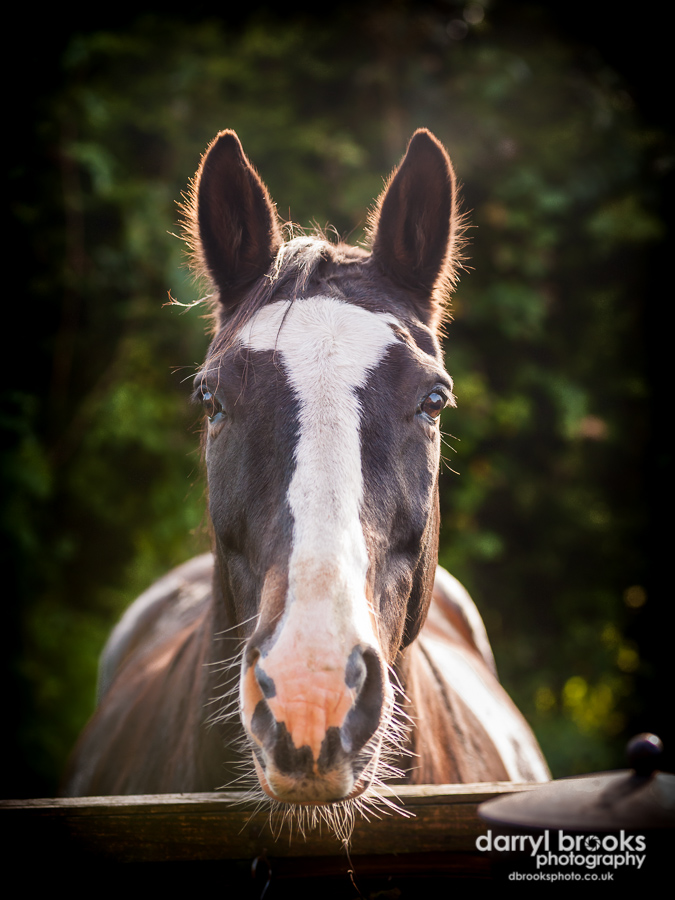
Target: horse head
{"x": 322, "y": 390}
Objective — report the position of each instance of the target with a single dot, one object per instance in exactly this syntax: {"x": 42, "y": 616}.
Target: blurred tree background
{"x": 556, "y": 464}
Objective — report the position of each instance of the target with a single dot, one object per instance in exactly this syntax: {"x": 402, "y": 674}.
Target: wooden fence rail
{"x": 435, "y": 834}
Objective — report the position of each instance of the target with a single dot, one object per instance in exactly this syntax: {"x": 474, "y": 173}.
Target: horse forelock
{"x": 296, "y": 263}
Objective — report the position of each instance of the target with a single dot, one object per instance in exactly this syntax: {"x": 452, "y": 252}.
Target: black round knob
{"x": 644, "y": 753}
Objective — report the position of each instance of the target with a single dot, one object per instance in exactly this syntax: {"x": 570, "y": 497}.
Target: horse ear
{"x": 232, "y": 221}
{"x": 414, "y": 227}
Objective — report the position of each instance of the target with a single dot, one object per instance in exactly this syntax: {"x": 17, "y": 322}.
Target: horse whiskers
{"x": 379, "y": 757}
{"x": 236, "y": 626}
{"x": 225, "y": 687}
{"x": 378, "y": 762}
{"x": 228, "y": 710}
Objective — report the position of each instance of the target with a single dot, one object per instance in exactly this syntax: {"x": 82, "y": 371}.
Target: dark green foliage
{"x": 545, "y": 522}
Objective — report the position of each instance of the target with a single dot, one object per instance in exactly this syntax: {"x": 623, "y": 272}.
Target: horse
{"x": 319, "y": 647}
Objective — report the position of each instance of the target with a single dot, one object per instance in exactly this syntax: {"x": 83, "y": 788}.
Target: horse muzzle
{"x": 313, "y": 721}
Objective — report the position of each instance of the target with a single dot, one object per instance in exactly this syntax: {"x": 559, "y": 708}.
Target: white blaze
{"x": 327, "y": 347}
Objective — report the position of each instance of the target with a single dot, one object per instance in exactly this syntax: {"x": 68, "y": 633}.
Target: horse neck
{"x": 430, "y": 755}
{"x": 211, "y": 657}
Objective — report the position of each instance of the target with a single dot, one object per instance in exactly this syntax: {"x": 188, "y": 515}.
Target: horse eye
{"x": 212, "y": 405}
{"x": 433, "y": 405}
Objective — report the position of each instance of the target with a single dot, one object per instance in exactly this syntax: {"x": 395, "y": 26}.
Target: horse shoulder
{"x": 165, "y": 608}
{"x": 478, "y": 731}
{"x": 141, "y": 737}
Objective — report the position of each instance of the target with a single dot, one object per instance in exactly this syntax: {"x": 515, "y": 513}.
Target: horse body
{"x": 305, "y": 633}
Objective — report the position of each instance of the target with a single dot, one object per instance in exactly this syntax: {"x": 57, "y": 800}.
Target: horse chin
{"x": 336, "y": 787}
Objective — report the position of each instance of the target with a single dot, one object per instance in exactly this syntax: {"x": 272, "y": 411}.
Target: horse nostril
{"x": 364, "y": 675}
{"x": 267, "y": 685}
{"x": 263, "y": 725}
{"x": 356, "y": 671}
